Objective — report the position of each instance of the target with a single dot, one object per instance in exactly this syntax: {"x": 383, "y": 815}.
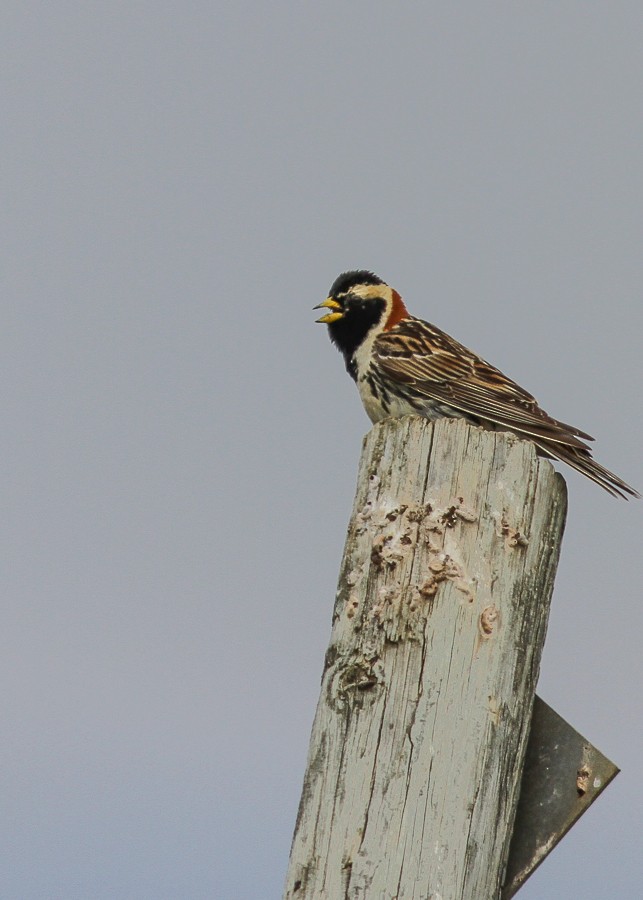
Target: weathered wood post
{"x": 419, "y": 737}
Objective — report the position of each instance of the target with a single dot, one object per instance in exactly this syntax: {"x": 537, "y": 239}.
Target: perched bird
{"x": 405, "y": 366}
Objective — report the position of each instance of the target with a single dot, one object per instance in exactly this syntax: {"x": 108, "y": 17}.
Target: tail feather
{"x": 584, "y": 463}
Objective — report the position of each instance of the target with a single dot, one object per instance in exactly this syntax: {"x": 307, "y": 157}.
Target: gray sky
{"x": 182, "y": 183}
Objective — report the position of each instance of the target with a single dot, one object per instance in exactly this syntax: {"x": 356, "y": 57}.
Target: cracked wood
{"x": 438, "y": 627}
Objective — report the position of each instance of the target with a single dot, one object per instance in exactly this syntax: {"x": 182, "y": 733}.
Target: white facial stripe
{"x": 367, "y": 291}
{"x": 362, "y": 355}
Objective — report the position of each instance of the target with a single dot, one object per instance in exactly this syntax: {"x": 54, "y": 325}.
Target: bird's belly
{"x": 382, "y": 403}
{"x": 374, "y": 403}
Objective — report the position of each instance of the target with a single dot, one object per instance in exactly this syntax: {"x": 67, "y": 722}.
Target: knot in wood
{"x": 488, "y": 619}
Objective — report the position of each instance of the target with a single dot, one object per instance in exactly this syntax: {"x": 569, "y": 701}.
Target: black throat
{"x": 348, "y": 332}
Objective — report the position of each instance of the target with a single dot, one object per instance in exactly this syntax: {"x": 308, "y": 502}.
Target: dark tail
{"x": 582, "y": 461}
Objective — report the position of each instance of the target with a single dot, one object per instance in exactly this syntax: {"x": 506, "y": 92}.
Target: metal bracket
{"x": 562, "y": 776}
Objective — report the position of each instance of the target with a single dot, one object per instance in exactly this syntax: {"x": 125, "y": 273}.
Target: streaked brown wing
{"x": 438, "y": 367}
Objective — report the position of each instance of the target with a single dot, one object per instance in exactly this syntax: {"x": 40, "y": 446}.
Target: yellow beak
{"x": 329, "y": 303}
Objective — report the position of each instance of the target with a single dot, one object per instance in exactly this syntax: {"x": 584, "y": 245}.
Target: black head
{"x": 347, "y": 280}
{"x": 355, "y": 306}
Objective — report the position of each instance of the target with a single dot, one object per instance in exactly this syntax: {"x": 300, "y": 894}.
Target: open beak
{"x": 333, "y": 316}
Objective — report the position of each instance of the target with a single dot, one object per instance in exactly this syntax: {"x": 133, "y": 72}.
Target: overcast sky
{"x": 182, "y": 183}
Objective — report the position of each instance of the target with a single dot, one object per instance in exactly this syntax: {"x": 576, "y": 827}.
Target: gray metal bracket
{"x": 562, "y": 776}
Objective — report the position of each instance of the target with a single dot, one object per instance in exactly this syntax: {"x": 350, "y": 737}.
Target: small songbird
{"x": 405, "y": 366}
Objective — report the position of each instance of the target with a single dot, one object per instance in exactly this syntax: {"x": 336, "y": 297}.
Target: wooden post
{"x": 420, "y": 732}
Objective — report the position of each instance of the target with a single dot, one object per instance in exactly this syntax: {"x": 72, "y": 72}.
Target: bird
{"x": 403, "y": 366}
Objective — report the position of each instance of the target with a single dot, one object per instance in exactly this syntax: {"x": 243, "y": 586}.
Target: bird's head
{"x": 360, "y": 303}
